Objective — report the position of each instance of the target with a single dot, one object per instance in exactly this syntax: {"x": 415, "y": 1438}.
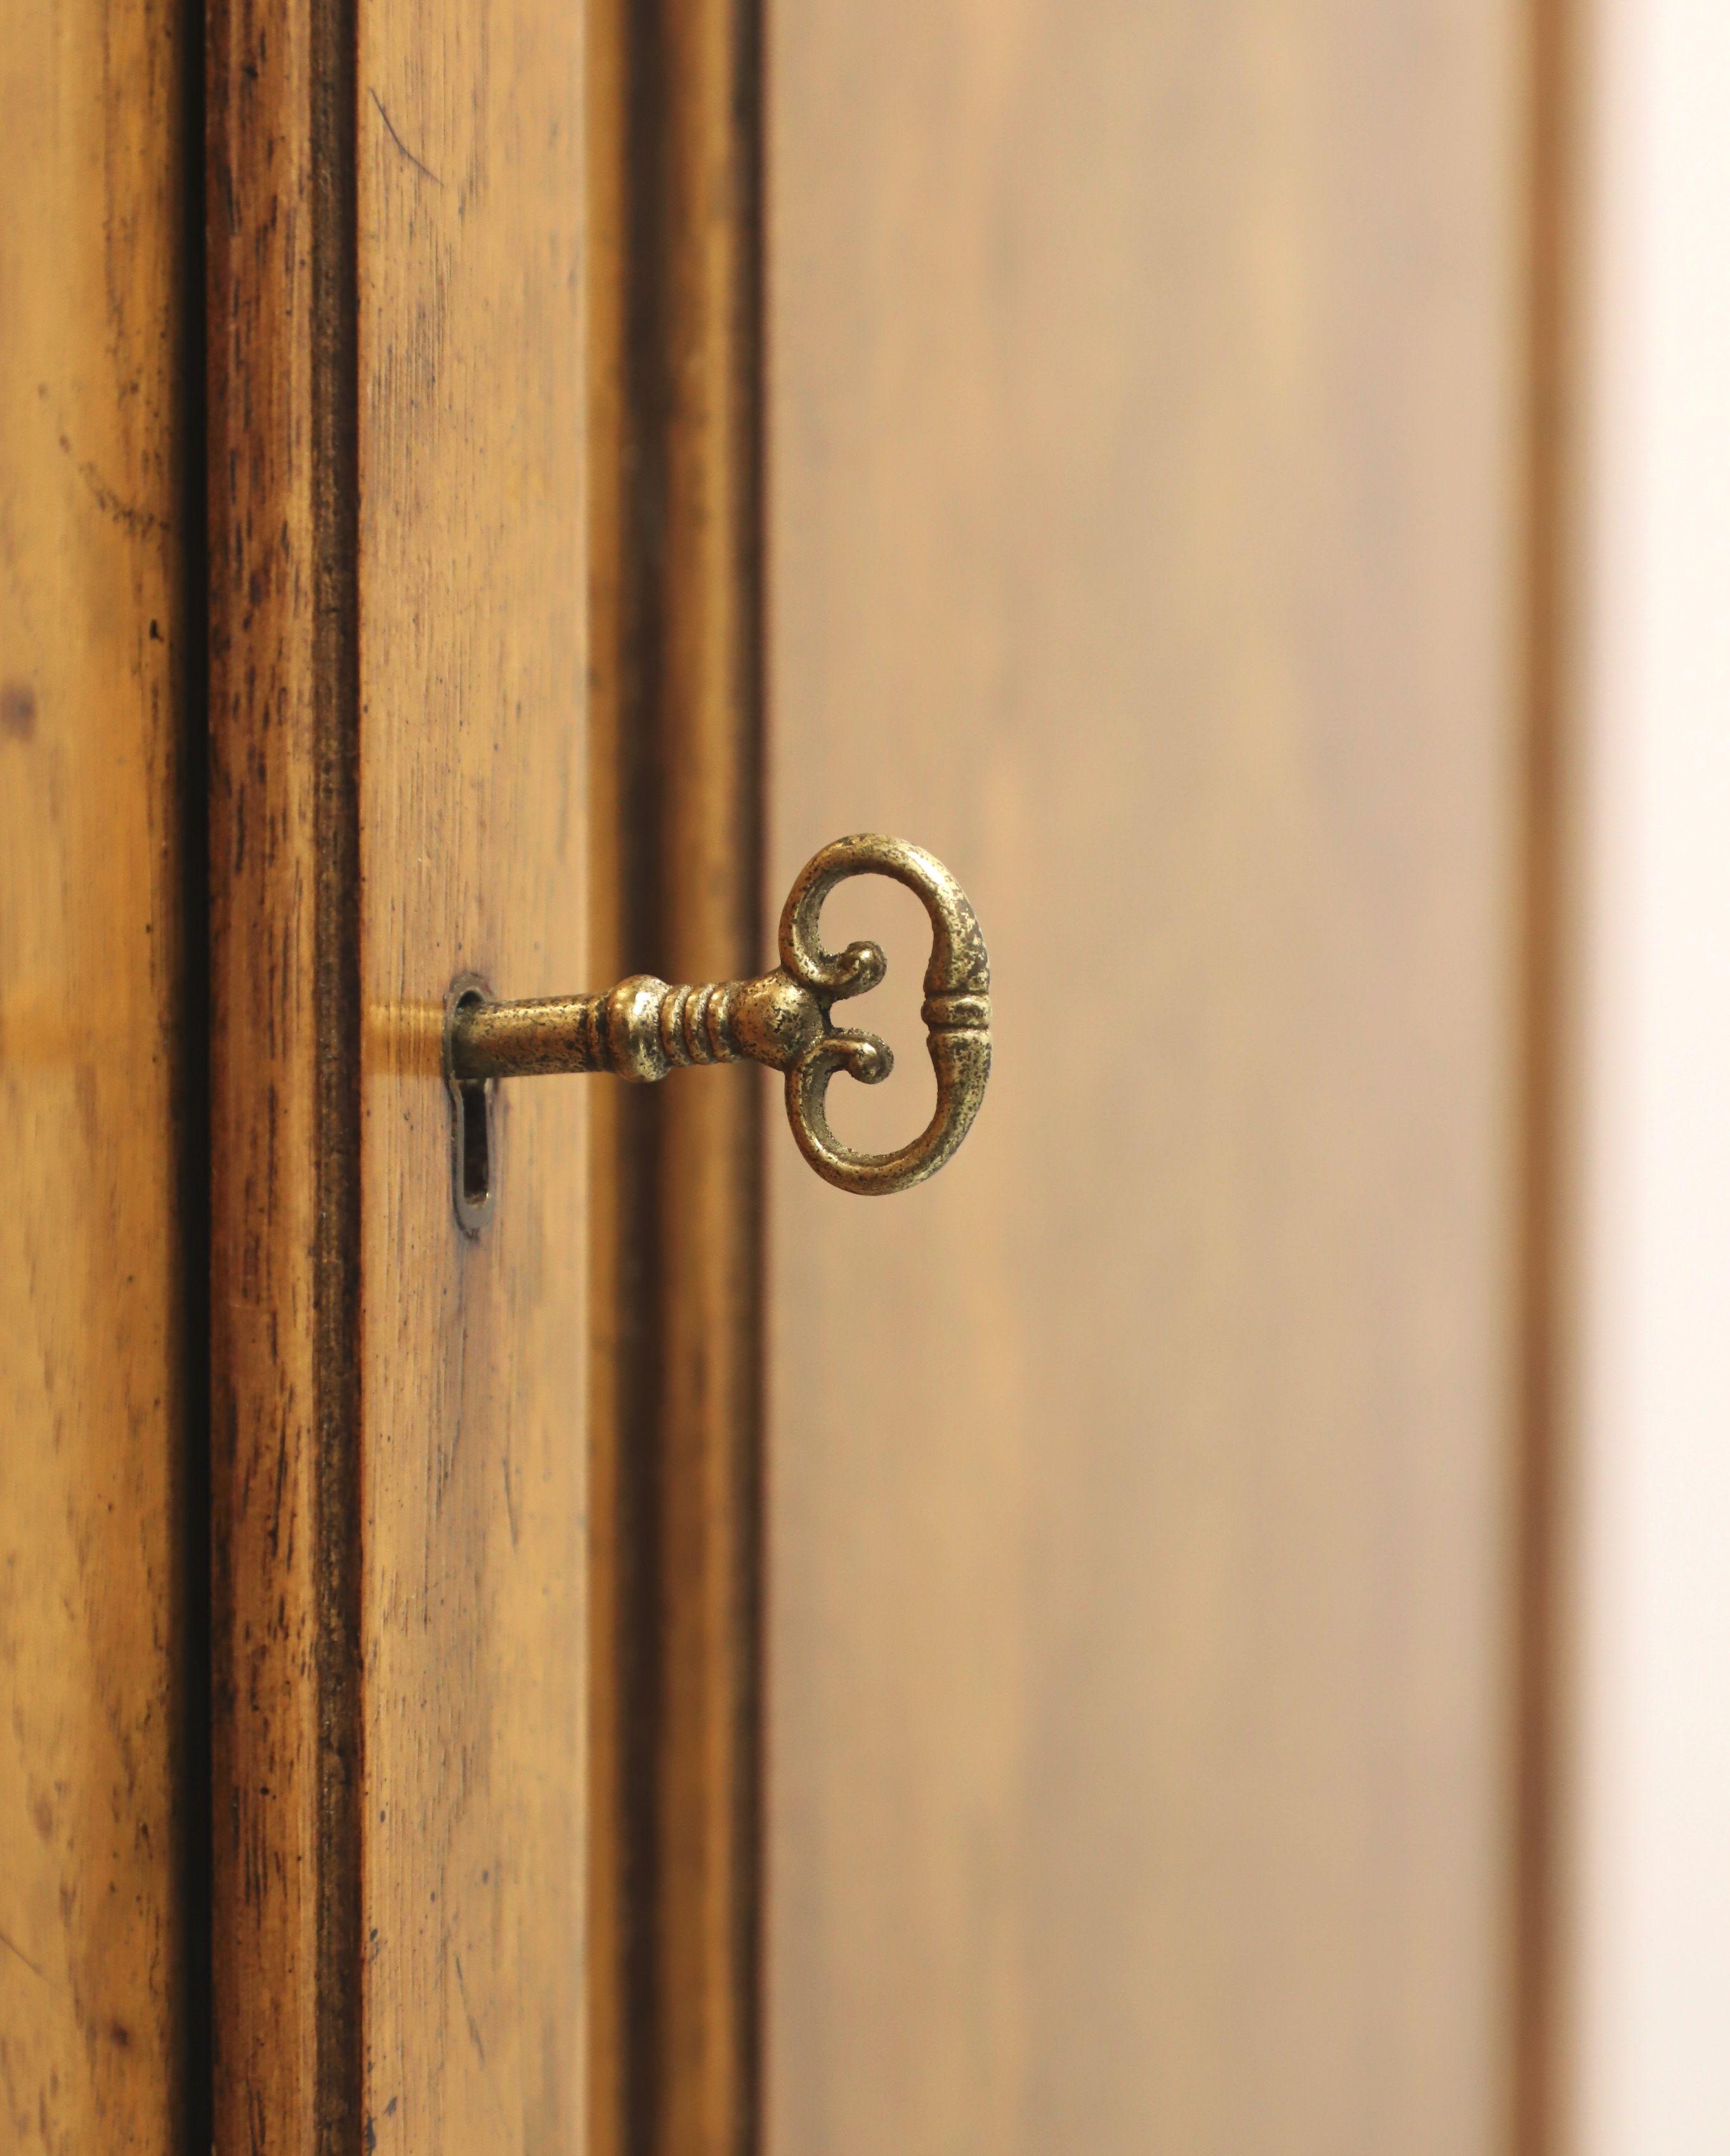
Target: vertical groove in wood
{"x": 1536, "y": 2128}
{"x": 709, "y": 1199}
{"x": 337, "y": 1047}
{"x": 677, "y": 606}
{"x": 624, "y": 918}
{"x": 197, "y": 1828}
{"x": 285, "y": 1105}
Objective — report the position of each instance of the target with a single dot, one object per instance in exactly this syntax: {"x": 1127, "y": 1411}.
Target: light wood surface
{"x": 676, "y": 668}
{"x": 1145, "y": 540}
{"x": 474, "y": 857}
{"x": 94, "y": 668}
{"x": 397, "y": 417}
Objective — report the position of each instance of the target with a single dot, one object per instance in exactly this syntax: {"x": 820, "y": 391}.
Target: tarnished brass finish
{"x": 643, "y": 1028}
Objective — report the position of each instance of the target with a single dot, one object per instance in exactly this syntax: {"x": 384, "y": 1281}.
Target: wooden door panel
{"x": 1146, "y": 539}
{"x": 1148, "y": 520}
{"x": 399, "y": 413}
{"x": 473, "y": 853}
{"x": 97, "y": 1595}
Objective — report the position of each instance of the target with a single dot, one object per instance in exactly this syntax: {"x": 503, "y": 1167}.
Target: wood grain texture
{"x": 473, "y": 592}
{"x": 621, "y": 1238}
{"x": 285, "y": 1105}
{"x": 1145, "y": 444}
{"x": 93, "y": 673}
{"x": 677, "y": 744}
{"x": 397, "y": 416}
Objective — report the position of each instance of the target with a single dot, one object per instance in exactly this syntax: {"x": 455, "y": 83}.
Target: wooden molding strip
{"x": 284, "y": 1011}
{"x": 676, "y": 317}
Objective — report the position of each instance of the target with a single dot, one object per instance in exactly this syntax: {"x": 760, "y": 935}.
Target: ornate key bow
{"x": 643, "y": 1028}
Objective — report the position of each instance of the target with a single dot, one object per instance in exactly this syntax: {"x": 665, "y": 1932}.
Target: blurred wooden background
{"x": 1151, "y": 535}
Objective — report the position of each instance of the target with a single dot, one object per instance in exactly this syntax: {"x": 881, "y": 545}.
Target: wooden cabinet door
{"x": 293, "y": 716}
{"x": 397, "y": 417}
{"x": 293, "y": 724}
{"x": 695, "y": 1665}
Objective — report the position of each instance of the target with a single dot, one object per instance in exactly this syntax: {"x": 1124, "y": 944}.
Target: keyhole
{"x": 471, "y": 1115}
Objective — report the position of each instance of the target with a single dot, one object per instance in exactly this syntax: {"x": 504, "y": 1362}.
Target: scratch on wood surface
{"x": 468, "y": 2011}
{"x": 510, "y": 1500}
{"x": 25, "y": 1958}
{"x": 390, "y": 130}
{"x": 126, "y": 514}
